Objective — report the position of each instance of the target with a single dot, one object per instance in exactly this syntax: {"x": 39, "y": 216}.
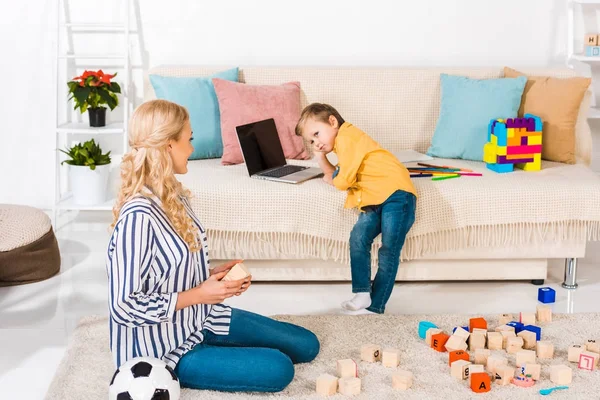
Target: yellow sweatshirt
{"x": 368, "y": 172}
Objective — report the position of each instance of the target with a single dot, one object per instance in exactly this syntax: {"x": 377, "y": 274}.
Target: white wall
{"x": 269, "y": 32}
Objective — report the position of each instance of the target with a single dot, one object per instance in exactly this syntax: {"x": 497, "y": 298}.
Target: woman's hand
{"x": 224, "y": 267}
{"x": 215, "y": 291}
{"x": 247, "y": 282}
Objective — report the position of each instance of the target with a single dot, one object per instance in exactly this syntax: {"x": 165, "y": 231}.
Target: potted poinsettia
{"x": 89, "y": 170}
{"x": 91, "y": 91}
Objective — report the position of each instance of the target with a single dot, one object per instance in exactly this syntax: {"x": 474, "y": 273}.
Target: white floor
{"x": 36, "y": 320}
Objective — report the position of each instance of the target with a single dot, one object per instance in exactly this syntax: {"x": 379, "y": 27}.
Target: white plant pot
{"x": 88, "y": 187}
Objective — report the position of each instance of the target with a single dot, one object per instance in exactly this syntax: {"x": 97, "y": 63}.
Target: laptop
{"x": 264, "y": 156}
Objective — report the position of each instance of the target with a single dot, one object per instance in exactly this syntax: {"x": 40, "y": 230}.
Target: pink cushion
{"x": 242, "y": 104}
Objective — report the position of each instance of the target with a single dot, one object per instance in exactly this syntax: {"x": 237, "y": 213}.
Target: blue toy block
{"x": 592, "y": 51}
{"x": 466, "y": 328}
{"x": 536, "y": 329}
{"x": 423, "y": 326}
{"x": 499, "y": 129}
{"x": 501, "y": 168}
{"x": 546, "y": 295}
{"x": 517, "y": 325}
{"x": 538, "y": 121}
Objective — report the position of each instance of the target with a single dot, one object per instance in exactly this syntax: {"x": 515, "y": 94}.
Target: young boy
{"x": 379, "y": 186}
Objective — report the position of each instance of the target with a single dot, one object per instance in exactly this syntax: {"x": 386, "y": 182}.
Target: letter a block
{"x": 480, "y": 382}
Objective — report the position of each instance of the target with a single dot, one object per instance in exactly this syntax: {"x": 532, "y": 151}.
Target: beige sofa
{"x": 499, "y": 226}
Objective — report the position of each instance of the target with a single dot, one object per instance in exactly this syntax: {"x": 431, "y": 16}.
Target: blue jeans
{"x": 258, "y": 355}
{"x": 393, "y": 219}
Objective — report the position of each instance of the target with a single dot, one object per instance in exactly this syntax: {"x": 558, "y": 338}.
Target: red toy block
{"x": 457, "y": 355}
{"x": 524, "y": 149}
{"x": 438, "y": 342}
{"x": 480, "y": 382}
{"x": 480, "y": 323}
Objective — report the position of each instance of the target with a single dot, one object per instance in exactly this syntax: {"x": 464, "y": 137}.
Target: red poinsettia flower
{"x": 105, "y": 77}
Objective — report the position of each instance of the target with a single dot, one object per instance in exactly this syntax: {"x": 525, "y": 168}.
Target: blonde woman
{"x": 164, "y": 300}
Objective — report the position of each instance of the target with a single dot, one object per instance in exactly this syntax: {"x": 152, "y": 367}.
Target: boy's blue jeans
{"x": 393, "y": 219}
{"x": 258, "y": 355}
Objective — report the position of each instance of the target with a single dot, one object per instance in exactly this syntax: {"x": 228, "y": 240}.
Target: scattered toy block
{"x": 461, "y": 332}
{"x": 517, "y": 325}
{"x": 536, "y": 329}
{"x": 505, "y": 336}
{"x": 349, "y": 386}
{"x": 504, "y": 375}
{"x": 475, "y": 368}
{"x": 391, "y": 357}
{"x": 500, "y": 168}
{"x": 480, "y": 323}
{"x": 544, "y": 313}
{"x": 506, "y": 328}
{"x": 525, "y": 357}
{"x": 561, "y": 374}
{"x": 480, "y": 382}
{"x": 457, "y": 355}
{"x": 527, "y": 318}
{"x": 480, "y": 331}
{"x": 429, "y": 333}
{"x": 456, "y": 343}
{"x": 534, "y": 139}
{"x": 239, "y": 271}
{"x": 370, "y": 353}
{"x": 588, "y": 360}
{"x": 423, "y": 326}
{"x": 546, "y": 295}
{"x": 460, "y": 369}
{"x": 592, "y": 51}
{"x": 591, "y": 40}
{"x": 545, "y": 349}
{"x": 402, "y": 380}
{"x": 494, "y": 362}
{"x": 438, "y": 342}
{"x": 514, "y": 345}
{"x": 575, "y": 351}
{"x": 476, "y": 341}
{"x": 347, "y": 368}
{"x": 529, "y": 338}
{"x": 534, "y": 370}
{"x": 592, "y": 345}
{"x": 494, "y": 341}
{"x": 327, "y": 385}
{"x": 481, "y": 356}
{"x": 504, "y": 318}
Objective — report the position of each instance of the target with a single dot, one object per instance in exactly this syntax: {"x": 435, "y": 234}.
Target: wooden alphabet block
{"x": 494, "y": 362}
{"x": 460, "y": 332}
{"x": 481, "y": 356}
{"x": 505, "y": 328}
{"x": 349, "y": 386}
{"x": 592, "y": 345}
{"x": 347, "y": 368}
{"x": 370, "y": 353}
{"x": 460, "y": 369}
{"x": 534, "y": 370}
{"x": 475, "y": 368}
{"x": 480, "y": 323}
{"x": 504, "y": 375}
{"x": 494, "y": 340}
{"x": 390, "y": 358}
{"x": 438, "y": 342}
{"x": 529, "y": 339}
{"x": 402, "y": 380}
{"x": 505, "y": 318}
{"x": 327, "y": 385}
{"x": 527, "y": 318}
{"x": 505, "y": 336}
{"x": 545, "y": 349}
{"x": 544, "y": 313}
{"x": 525, "y": 357}
{"x": 239, "y": 271}
{"x": 480, "y": 331}
{"x": 457, "y": 355}
{"x": 561, "y": 374}
{"x": 430, "y": 332}
{"x": 514, "y": 344}
{"x": 456, "y": 343}
{"x": 588, "y": 360}
{"x": 591, "y": 40}
{"x": 480, "y": 382}
{"x": 574, "y": 352}
{"x": 476, "y": 341}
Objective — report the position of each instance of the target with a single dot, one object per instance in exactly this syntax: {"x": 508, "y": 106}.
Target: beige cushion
{"x": 21, "y": 225}
{"x": 557, "y": 102}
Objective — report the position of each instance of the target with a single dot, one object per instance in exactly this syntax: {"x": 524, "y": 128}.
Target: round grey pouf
{"x": 28, "y": 248}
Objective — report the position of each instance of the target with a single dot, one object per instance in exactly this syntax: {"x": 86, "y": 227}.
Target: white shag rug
{"x": 86, "y": 370}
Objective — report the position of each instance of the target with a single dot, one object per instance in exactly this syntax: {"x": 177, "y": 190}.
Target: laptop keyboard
{"x": 283, "y": 171}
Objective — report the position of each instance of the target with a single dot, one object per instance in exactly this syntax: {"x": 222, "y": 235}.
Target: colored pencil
{"x": 441, "y": 178}
{"x": 443, "y": 167}
{"x": 421, "y": 175}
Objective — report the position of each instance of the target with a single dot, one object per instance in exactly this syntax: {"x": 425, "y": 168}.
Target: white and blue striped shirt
{"x": 148, "y": 263}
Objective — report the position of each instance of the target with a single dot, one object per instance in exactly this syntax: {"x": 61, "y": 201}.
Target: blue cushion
{"x": 199, "y": 97}
{"x": 466, "y": 109}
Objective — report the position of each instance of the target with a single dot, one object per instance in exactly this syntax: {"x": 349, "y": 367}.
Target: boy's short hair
{"x": 320, "y": 112}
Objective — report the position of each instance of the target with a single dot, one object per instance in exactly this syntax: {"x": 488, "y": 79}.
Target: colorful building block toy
{"x": 546, "y": 295}
{"x": 515, "y": 141}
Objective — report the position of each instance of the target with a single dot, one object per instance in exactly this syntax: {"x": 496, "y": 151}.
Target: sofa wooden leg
{"x": 537, "y": 282}
{"x": 570, "y": 274}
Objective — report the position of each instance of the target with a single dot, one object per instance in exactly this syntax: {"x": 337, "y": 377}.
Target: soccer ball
{"x": 144, "y": 378}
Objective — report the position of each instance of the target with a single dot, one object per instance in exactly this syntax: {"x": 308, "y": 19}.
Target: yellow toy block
{"x": 536, "y": 165}
{"x": 501, "y": 150}
{"x": 489, "y": 153}
{"x": 532, "y": 140}
{"x": 494, "y": 140}
{"x": 510, "y": 132}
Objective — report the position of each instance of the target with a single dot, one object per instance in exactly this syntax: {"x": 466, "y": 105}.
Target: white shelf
{"x": 108, "y": 27}
{"x": 85, "y": 128}
{"x": 583, "y": 58}
{"x": 67, "y": 204}
{"x": 586, "y": 1}
{"x": 92, "y": 56}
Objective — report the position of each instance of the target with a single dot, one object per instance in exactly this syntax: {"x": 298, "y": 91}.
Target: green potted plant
{"x": 89, "y": 170}
{"x": 91, "y": 91}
